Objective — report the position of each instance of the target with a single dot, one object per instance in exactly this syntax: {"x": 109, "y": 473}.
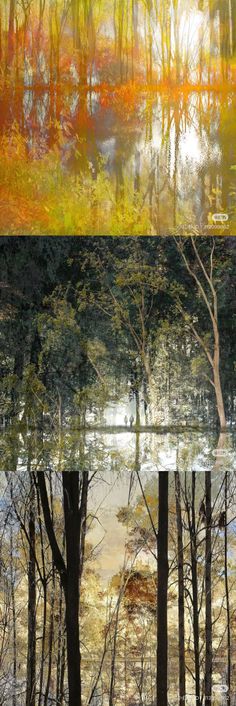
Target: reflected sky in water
{"x": 174, "y": 149}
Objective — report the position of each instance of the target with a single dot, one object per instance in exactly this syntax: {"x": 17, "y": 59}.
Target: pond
{"x": 117, "y": 450}
{"x": 170, "y": 152}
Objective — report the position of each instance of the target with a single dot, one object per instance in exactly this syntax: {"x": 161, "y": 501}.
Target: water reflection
{"x": 117, "y": 450}
{"x": 176, "y": 150}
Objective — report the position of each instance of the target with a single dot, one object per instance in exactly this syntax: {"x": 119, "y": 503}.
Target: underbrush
{"x": 40, "y": 197}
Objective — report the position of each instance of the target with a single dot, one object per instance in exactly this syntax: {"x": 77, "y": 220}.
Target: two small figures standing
{"x": 131, "y": 420}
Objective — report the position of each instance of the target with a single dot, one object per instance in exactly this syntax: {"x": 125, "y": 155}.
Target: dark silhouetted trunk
{"x": 180, "y": 590}
{"x": 208, "y": 624}
{"x": 60, "y": 649}
{"x": 72, "y": 535}
{"x": 228, "y": 680}
{"x": 162, "y": 589}
{"x": 13, "y": 604}
{"x": 50, "y": 640}
{"x": 31, "y": 650}
{"x": 75, "y": 490}
{"x": 193, "y": 554}
{"x": 195, "y": 593}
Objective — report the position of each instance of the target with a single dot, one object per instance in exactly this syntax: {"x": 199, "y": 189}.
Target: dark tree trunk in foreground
{"x": 228, "y": 681}
{"x": 72, "y": 534}
{"x": 195, "y": 592}
{"x": 162, "y": 587}
{"x": 180, "y": 590}
{"x": 190, "y": 509}
{"x": 75, "y": 488}
{"x": 13, "y": 605}
{"x": 31, "y": 653}
{"x": 208, "y": 561}
{"x": 60, "y": 650}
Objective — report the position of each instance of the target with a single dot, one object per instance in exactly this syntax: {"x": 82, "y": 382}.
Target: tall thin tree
{"x": 162, "y": 590}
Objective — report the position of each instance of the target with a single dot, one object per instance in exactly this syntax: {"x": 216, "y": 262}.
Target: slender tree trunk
{"x": 1, "y": 52}
{"x": 10, "y": 48}
{"x": 182, "y": 688}
{"x": 83, "y": 517}
{"x": 137, "y": 408}
{"x": 209, "y": 296}
{"x": 60, "y": 643}
{"x": 113, "y": 657}
{"x": 208, "y": 623}
{"x": 44, "y": 617}
{"x": 233, "y": 22}
{"x": 50, "y": 640}
{"x": 217, "y": 382}
{"x": 31, "y": 652}
{"x": 44, "y": 621}
{"x": 224, "y": 37}
{"x": 18, "y": 371}
{"x": 227, "y": 594}
{"x": 162, "y": 589}
{"x": 193, "y": 549}
{"x": 62, "y": 676}
{"x": 13, "y": 618}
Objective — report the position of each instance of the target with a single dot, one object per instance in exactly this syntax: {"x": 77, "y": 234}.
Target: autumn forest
{"x": 117, "y": 117}
{"x": 117, "y": 483}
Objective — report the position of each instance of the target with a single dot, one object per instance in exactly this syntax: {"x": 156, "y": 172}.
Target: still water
{"x": 177, "y": 150}
{"x": 117, "y": 451}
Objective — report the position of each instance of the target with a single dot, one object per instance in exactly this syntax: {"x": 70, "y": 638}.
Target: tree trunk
{"x": 61, "y": 695}
{"x": 18, "y": 371}
{"x": 60, "y": 645}
{"x": 113, "y": 656}
{"x": 211, "y": 302}
{"x": 137, "y": 408}
{"x": 50, "y": 641}
{"x": 208, "y": 624}
{"x": 182, "y": 687}
{"x": 72, "y": 536}
{"x": 75, "y": 509}
{"x": 193, "y": 549}
{"x": 224, "y": 37}
{"x": 162, "y": 588}
{"x": 233, "y": 21}
{"x": 44, "y": 616}
{"x": 13, "y": 603}
{"x": 1, "y": 52}
{"x": 31, "y": 652}
{"x": 44, "y": 622}
{"x": 227, "y": 594}
{"x": 218, "y": 390}
{"x": 10, "y": 48}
